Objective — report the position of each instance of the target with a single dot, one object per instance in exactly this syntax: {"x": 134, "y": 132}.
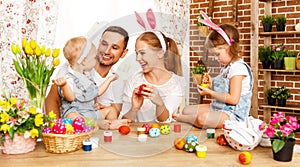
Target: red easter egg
{"x": 147, "y": 127}
{"x": 78, "y": 124}
{"x": 124, "y": 130}
{"x": 59, "y": 128}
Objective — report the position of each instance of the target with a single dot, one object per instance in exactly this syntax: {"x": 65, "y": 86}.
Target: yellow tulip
{"x": 38, "y": 51}
{"x": 28, "y": 49}
{"x": 56, "y": 62}
{"x": 14, "y": 49}
{"x": 48, "y": 52}
{"x": 18, "y": 49}
{"x": 32, "y": 44}
{"x": 24, "y": 42}
{"x": 55, "y": 52}
{"x": 43, "y": 49}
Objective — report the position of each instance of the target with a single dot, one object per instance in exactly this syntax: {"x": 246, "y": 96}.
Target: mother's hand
{"x": 137, "y": 99}
{"x": 152, "y": 93}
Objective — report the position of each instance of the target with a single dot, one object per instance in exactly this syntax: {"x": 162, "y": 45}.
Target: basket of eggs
{"x": 67, "y": 135}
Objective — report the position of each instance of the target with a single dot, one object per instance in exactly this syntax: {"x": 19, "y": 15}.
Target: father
{"x": 112, "y": 47}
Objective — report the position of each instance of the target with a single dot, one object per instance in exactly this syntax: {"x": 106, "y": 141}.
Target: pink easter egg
{"x": 59, "y": 128}
{"x": 147, "y": 127}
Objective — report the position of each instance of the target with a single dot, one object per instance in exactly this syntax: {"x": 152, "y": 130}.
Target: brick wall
{"x": 222, "y": 12}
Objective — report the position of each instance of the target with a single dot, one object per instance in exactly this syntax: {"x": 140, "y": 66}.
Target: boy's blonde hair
{"x": 74, "y": 48}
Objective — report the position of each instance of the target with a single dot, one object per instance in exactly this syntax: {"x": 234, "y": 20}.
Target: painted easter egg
{"x": 191, "y": 138}
{"x": 59, "y": 128}
{"x": 67, "y": 121}
{"x": 147, "y": 128}
{"x": 190, "y": 146}
{"x": 154, "y": 132}
{"x": 165, "y": 129}
{"x": 78, "y": 124}
{"x": 89, "y": 122}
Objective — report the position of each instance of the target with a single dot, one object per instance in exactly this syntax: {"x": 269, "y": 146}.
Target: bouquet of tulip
{"x": 280, "y": 130}
{"x": 35, "y": 66}
{"x": 22, "y": 117}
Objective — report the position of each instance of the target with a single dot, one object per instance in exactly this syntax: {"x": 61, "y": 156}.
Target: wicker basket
{"x": 64, "y": 143}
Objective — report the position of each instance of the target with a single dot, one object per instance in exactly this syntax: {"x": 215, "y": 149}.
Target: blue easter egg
{"x": 67, "y": 121}
{"x": 191, "y": 138}
{"x": 154, "y": 132}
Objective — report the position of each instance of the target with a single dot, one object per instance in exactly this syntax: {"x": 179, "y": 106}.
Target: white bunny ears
{"x": 152, "y": 23}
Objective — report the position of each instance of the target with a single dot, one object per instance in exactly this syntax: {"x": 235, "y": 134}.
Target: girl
{"x": 231, "y": 89}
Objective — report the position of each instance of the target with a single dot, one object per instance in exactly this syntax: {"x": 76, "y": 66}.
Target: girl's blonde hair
{"x": 172, "y": 59}
{"x": 73, "y": 49}
{"x": 215, "y": 39}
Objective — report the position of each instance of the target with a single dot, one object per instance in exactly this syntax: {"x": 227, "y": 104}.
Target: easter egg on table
{"x": 124, "y": 130}
{"x": 245, "y": 157}
{"x": 190, "y": 146}
{"x": 59, "y": 128}
{"x": 191, "y": 138}
{"x": 179, "y": 143}
{"x": 147, "y": 128}
{"x": 165, "y": 129}
{"x": 154, "y": 132}
{"x": 155, "y": 125}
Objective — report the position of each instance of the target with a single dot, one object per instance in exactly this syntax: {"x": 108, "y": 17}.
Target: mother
{"x": 163, "y": 87}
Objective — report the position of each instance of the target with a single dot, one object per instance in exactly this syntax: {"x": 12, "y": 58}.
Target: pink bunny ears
{"x": 152, "y": 23}
{"x": 215, "y": 27}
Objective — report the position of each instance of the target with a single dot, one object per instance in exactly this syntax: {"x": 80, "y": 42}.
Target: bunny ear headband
{"x": 215, "y": 27}
{"x": 152, "y": 22}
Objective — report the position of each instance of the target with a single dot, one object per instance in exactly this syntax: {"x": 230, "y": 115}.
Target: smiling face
{"x": 147, "y": 56}
{"x": 111, "y": 48}
{"x": 222, "y": 54}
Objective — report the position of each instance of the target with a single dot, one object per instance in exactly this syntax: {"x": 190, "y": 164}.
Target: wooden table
{"x": 125, "y": 150}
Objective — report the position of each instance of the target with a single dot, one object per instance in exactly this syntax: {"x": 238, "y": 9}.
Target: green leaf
{"x": 277, "y": 145}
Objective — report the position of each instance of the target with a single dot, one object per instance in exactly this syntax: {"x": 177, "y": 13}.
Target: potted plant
{"x": 282, "y": 94}
{"x": 198, "y": 72}
{"x": 267, "y": 22}
{"x": 264, "y": 55}
{"x": 21, "y": 124}
{"x": 278, "y": 53}
{"x": 290, "y": 60}
{"x": 271, "y": 96}
{"x": 203, "y": 29}
{"x": 280, "y": 22}
{"x": 281, "y": 132}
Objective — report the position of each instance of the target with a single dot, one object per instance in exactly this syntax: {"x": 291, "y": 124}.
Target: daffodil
{"x": 34, "y": 133}
{"x": 32, "y": 110}
{"x": 13, "y": 101}
{"x": 38, "y": 120}
{"x": 5, "y": 128}
{"x": 52, "y": 115}
{"x": 4, "y": 117}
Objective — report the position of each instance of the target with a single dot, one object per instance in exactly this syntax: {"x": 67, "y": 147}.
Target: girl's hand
{"x": 203, "y": 91}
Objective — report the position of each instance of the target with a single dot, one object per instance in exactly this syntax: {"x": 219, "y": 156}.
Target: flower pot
{"x": 271, "y": 101}
{"x": 286, "y": 153}
{"x": 266, "y": 64}
{"x": 203, "y": 31}
{"x": 290, "y": 63}
{"x": 280, "y": 27}
{"x": 198, "y": 78}
{"x": 19, "y": 145}
{"x": 267, "y": 27}
{"x": 281, "y": 102}
{"x": 277, "y": 64}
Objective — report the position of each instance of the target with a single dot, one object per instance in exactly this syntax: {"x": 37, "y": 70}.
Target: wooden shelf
{"x": 277, "y": 70}
{"x": 279, "y": 33}
{"x": 287, "y": 107}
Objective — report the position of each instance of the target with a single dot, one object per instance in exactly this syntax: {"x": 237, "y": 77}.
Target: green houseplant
{"x": 278, "y": 53}
{"x": 271, "y": 96}
{"x": 198, "y": 72}
{"x": 280, "y": 22}
{"x": 267, "y": 22}
{"x": 290, "y": 60}
{"x": 282, "y": 94}
{"x": 202, "y": 28}
{"x": 264, "y": 55}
